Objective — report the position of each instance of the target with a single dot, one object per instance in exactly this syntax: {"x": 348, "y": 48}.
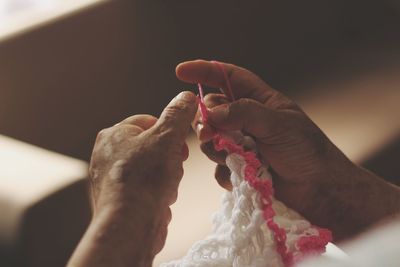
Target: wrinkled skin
{"x": 295, "y": 148}
{"x": 311, "y": 175}
{"x": 135, "y": 170}
{"x": 136, "y": 167}
{"x": 143, "y": 153}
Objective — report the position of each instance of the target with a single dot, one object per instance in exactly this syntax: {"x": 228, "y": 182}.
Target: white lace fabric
{"x": 240, "y": 235}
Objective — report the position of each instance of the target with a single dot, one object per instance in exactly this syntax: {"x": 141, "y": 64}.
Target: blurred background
{"x": 69, "y": 68}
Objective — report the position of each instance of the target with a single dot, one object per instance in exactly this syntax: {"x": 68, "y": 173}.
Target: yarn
{"x": 251, "y": 228}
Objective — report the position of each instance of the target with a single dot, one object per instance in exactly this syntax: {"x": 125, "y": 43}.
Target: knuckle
{"x": 162, "y": 136}
{"x": 212, "y": 100}
{"x": 243, "y": 108}
{"x": 102, "y": 133}
{"x": 101, "y": 138}
{"x": 244, "y": 102}
{"x": 210, "y": 97}
{"x": 160, "y": 142}
{"x": 171, "y": 115}
{"x": 122, "y": 132}
{"x": 279, "y": 101}
{"x": 111, "y": 131}
{"x": 178, "y": 106}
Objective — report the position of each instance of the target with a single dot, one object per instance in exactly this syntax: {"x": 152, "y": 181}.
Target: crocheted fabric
{"x": 252, "y": 228}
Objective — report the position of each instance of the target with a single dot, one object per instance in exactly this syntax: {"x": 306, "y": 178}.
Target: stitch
{"x": 252, "y": 228}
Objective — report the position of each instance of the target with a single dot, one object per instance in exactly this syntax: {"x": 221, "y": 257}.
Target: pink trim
{"x": 264, "y": 188}
{"x": 314, "y": 244}
{"x": 307, "y": 245}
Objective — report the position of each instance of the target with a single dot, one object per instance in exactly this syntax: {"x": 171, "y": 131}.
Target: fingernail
{"x": 219, "y": 114}
{"x": 187, "y": 96}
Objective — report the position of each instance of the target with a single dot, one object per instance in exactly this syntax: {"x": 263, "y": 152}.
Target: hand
{"x": 135, "y": 171}
{"x": 295, "y": 148}
{"x": 143, "y": 155}
{"x": 305, "y": 164}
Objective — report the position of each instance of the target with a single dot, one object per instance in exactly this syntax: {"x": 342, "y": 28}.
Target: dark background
{"x": 61, "y": 84}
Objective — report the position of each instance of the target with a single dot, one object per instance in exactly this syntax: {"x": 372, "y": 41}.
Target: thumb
{"x": 245, "y": 114}
{"x": 178, "y": 115}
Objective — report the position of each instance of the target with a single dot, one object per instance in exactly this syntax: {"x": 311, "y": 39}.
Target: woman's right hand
{"x": 309, "y": 171}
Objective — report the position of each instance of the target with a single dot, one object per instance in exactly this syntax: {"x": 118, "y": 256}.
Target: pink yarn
{"x": 316, "y": 244}
{"x": 308, "y": 245}
{"x": 264, "y": 188}
{"x": 202, "y": 106}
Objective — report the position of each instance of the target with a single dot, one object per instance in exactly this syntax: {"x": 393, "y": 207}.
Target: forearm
{"x": 120, "y": 236}
{"x": 353, "y": 199}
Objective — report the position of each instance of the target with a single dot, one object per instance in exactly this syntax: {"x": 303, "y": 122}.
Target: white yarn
{"x": 240, "y": 237}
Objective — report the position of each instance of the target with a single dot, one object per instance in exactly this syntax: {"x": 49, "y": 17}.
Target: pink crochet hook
{"x": 202, "y": 106}
{"x": 229, "y": 92}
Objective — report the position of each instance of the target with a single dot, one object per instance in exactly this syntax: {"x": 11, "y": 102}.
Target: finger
{"x": 223, "y": 174}
{"x": 177, "y": 117}
{"x": 212, "y": 100}
{"x": 162, "y": 232}
{"x": 172, "y": 198}
{"x": 204, "y": 131}
{"x": 248, "y": 115}
{"x": 143, "y": 121}
{"x": 216, "y": 156}
{"x": 245, "y": 84}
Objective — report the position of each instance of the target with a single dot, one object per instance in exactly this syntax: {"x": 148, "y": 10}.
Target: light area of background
{"x": 360, "y": 116}
{"x": 23, "y": 15}
{"x": 29, "y": 174}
